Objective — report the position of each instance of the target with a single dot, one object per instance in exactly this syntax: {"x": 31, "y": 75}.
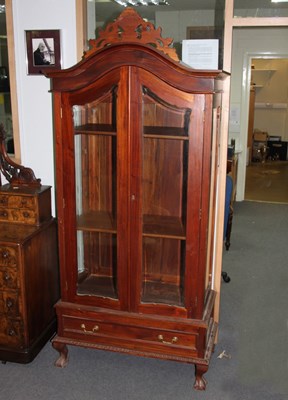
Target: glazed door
{"x": 170, "y": 268}
{"x": 94, "y": 240}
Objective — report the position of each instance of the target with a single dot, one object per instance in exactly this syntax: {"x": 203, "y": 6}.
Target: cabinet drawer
{"x": 18, "y": 216}
{"x": 8, "y": 256}
{"x": 142, "y": 337}
{"x": 9, "y": 303}
{"x": 26, "y": 202}
{"x": 11, "y": 332}
{"x": 8, "y": 278}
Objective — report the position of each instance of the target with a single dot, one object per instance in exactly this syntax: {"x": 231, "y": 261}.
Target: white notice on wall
{"x": 201, "y": 53}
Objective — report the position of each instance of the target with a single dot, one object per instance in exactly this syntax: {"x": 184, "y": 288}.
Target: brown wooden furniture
{"x": 29, "y": 282}
{"x": 133, "y": 157}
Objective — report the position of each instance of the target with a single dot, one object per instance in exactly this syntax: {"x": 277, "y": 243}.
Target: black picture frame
{"x": 43, "y": 49}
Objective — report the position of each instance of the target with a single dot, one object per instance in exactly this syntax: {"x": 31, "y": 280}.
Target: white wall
{"x": 247, "y": 44}
{"x": 34, "y": 99}
{"x": 174, "y": 23}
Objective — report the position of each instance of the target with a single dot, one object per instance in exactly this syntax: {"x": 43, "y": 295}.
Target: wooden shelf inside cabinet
{"x": 97, "y": 221}
{"x": 149, "y": 131}
{"x": 165, "y": 132}
{"x": 153, "y": 225}
{"x": 96, "y": 129}
{"x": 161, "y": 292}
{"x": 104, "y": 284}
{"x": 163, "y": 226}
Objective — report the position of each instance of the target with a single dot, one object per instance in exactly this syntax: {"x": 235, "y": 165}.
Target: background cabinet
{"x": 29, "y": 284}
{"x": 133, "y": 153}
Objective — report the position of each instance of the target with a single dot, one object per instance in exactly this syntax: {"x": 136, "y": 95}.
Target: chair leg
{"x": 229, "y": 228}
{"x": 226, "y": 277}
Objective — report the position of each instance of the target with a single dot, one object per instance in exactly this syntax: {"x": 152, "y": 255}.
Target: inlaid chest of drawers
{"x": 28, "y": 272}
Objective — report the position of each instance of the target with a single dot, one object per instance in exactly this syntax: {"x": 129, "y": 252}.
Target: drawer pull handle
{"x": 94, "y": 329}
{"x": 174, "y": 340}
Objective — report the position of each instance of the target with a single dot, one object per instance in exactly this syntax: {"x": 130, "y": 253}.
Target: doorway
{"x": 267, "y": 138}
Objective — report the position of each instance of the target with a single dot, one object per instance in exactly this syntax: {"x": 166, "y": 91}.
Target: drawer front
{"x": 9, "y": 303}
{"x": 18, "y": 215}
{"x": 8, "y": 278}
{"x": 27, "y": 202}
{"x": 11, "y": 332}
{"x": 8, "y": 256}
{"x": 129, "y": 336}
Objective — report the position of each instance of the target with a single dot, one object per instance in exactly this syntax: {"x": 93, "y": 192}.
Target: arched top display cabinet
{"x": 136, "y": 136}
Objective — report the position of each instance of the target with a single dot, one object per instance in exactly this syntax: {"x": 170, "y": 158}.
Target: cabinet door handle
{"x": 94, "y": 329}
{"x": 174, "y": 340}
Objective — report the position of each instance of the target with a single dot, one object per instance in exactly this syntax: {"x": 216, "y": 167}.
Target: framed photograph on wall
{"x": 43, "y": 51}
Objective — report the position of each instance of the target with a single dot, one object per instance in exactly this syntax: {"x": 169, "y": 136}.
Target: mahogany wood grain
{"x": 133, "y": 158}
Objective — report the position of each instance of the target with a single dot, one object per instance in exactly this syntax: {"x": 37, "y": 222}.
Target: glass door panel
{"x": 164, "y": 202}
{"x": 95, "y": 171}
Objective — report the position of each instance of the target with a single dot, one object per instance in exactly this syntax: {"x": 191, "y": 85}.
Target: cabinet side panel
{"x": 41, "y": 279}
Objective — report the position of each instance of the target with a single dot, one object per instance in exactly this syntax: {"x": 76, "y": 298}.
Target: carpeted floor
{"x": 267, "y": 181}
{"x": 253, "y": 333}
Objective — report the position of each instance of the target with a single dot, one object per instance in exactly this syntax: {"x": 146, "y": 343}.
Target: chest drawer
{"x": 8, "y": 256}
{"x": 11, "y": 332}
{"x": 144, "y": 338}
{"x": 25, "y": 205}
{"x": 9, "y": 303}
{"x": 8, "y": 278}
{"x": 26, "y": 202}
{"x": 19, "y": 216}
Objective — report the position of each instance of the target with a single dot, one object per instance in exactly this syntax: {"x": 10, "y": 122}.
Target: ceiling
{"x": 108, "y": 9}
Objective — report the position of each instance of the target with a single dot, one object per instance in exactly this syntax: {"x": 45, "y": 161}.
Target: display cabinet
{"x": 133, "y": 135}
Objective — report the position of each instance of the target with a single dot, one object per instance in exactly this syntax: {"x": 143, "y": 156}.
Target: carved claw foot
{"x": 62, "y": 361}
{"x": 200, "y": 381}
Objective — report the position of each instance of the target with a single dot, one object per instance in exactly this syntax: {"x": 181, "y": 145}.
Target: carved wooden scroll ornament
{"x": 130, "y": 27}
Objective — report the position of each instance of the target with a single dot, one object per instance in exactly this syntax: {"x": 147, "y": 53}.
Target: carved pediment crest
{"x": 130, "y": 27}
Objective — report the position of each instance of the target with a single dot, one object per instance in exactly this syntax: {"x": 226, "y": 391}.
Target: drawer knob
{"x": 6, "y": 277}
{"x": 9, "y": 304}
{"x": 94, "y": 329}
{"x": 4, "y": 214}
{"x": 5, "y": 254}
{"x": 11, "y": 332}
{"x": 161, "y": 339}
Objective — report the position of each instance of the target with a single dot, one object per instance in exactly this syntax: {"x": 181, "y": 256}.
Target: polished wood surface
{"x": 28, "y": 289}
{"x": 133, "y": 135}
